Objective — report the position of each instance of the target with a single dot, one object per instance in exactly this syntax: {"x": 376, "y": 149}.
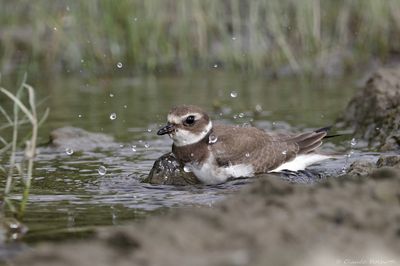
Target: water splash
{"x": 353, "y": 142}
{"x": 69, "y": 151}
{"x": 113, "y": 116}
{"x": 212, "y": 139}
{"x": 187, "y": 169}
{"x": 102, "y": 170}
{"x": 234, "y": 94}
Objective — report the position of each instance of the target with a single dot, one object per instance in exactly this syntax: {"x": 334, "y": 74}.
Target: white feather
{"x": 301, "y": 162}
{"x": 183, "y": 137}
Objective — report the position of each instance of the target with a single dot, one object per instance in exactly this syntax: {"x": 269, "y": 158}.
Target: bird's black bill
{"x": 166, "y": 130}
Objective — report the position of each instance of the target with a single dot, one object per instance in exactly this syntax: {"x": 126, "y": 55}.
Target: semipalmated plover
{"x": 215, "y": 153}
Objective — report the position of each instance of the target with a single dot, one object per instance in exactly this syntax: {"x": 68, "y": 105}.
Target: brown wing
{"x": 239, "y": 145}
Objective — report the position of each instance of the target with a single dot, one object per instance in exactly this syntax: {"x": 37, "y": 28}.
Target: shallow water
{"x": 70, "y": 196}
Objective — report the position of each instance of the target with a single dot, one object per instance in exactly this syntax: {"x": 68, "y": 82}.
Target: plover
{"x": 216, "y": 153}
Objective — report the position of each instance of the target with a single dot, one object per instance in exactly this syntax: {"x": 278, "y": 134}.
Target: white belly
{"x": 209, "y": 173}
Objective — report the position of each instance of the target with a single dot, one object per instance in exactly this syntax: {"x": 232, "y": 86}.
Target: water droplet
{"x": 68, "y": 8}
{"x": 135, "y": 19}
{"x": 69, "y": 151}
{"x": 212, "y": 139}
{"x": 147, "y": 145}
{"x": 187, "y": 169}
{"x": 111, "y": 95}
{"x": 235, "y": 116}
{"x": 82, "y": 60}
{"x": 353, "y": 142}
{"x": 343, "y": 170}
{"x": 350, "y": 154}
{"x": 191, "y": 155}
{"x": 233, "y": 38}
{"x": 119, "y": 65}
{"x": 149, "y": 130}
{"x": 241, "y": 115}
{"x": 102, "y": 170}
{"x": 79, "y": 116}
{"x": 377, "y": 129}
{"x": 121, "y": 145}
{"x": 133, "y": 148}
{"x": 215, "y": 66}
{"x": 234, "y": 94}
{"x": 55, "y": 28}
{"x": 284, "y": 152}
{"x": 113, "y": 116}
{"x": 258, "y": 108}
{"x": 125, "y": 106}
{"x": 247, "y": 155}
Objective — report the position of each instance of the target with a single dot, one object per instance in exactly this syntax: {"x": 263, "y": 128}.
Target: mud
{"x": 79, "y": 139}
{"x": 364, "y": 168}
{"x": 272, "y": 222}
{"x": 374, "y": 112}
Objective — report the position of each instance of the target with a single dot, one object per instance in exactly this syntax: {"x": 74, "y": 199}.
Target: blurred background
{"x": 286, "y": 57}
{"x": 272, "y": 37}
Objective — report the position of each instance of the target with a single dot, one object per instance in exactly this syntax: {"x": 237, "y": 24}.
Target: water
{"x": 75, "y": 191}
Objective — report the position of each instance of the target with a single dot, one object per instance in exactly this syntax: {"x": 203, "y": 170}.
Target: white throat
{"x": 183, "y": 137}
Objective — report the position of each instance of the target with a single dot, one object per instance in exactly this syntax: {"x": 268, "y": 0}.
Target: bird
{"x": 215, "y": 153}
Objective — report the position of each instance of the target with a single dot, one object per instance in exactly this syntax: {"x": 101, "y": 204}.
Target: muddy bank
{"x": 271, "y": 222}
{"x": 77, "y": 139}
{"x": 374, "y": 112}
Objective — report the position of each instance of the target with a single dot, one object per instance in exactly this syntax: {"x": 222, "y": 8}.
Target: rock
{"x": 389, "y": 160}
{"x": 374, "y": 112}
{"x": 79, "y": 139}
{"x": 167, "y": 171}
{"x": 361, "y": 168}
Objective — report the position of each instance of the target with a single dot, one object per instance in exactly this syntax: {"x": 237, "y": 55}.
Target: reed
{"x": 22, "y": 113}
{"x": 186, "y": 35}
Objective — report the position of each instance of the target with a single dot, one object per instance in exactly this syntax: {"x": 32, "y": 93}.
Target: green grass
{"x": 187, "y": 35}
{"x": 23, "y": 112}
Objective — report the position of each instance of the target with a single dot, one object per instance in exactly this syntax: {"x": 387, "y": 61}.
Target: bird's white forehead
{"x": 176, "y": 119}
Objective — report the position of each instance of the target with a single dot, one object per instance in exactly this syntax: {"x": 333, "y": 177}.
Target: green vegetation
{"x": 22, "y": 168}
{"x": 185, "y": 35}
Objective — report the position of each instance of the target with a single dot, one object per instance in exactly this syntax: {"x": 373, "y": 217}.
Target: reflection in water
{"x": 74, "y": 190}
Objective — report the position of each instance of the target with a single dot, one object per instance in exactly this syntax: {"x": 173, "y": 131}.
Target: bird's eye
{"x": 189, "y": 120}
